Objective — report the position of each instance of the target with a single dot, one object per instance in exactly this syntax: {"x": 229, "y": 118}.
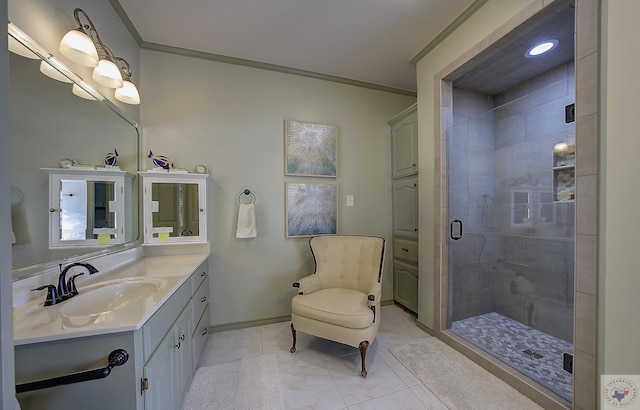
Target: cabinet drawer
{"x": 405, "y": 250}
{"x": 200, "y": 333}
{"x": 199, "y": 302}
{"x": 160, "y": 323}
{"x": 199, "y": 275}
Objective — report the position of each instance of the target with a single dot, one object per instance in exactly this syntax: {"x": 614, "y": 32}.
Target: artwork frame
{"x": 310, "y": 149}
{"x": 311, "y": 208}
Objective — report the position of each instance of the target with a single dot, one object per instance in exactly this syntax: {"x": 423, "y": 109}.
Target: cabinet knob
{"x": 177, "y": 346}
{"x": 52, "y": 210}
{"x": 203, "y": 300}
{"x": 203, "y": 274}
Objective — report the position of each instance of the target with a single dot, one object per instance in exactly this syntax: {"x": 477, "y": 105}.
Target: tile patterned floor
{"x": 325, "y": 375}
{"x": 507, "y": 339}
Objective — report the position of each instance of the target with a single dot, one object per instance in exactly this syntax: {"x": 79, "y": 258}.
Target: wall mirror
{"x": 175, "y": 208}
{"x": 49, "y": 124}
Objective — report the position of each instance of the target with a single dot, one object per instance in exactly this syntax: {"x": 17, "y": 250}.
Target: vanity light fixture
{"x": 17, "y": 48}
{"x": 541, "y": 48}
{"x": 128, "y": 93}
{"x": 48, "y": 70}
{"x": 84, "y": 46}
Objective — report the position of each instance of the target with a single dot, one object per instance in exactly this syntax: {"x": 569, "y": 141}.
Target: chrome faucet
{"x": 67, "y": 289}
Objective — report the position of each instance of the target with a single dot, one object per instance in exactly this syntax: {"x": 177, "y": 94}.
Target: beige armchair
{"x": 341, "y": 300}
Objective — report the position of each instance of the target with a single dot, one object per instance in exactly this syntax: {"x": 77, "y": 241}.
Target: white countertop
{"x": 34, "y": 323}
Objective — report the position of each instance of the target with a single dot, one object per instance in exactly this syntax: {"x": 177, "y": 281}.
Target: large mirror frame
{"x": 29, "y": 184}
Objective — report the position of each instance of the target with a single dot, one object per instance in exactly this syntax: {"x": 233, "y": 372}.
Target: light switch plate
{"x": 349, "y": 200}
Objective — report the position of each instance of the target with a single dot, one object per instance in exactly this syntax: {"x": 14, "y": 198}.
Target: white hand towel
{"x": 246, "y": 221}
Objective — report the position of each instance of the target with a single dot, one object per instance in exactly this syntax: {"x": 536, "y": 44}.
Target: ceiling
{"x": 504, "y": 65}
{"x": 371, "y": 41}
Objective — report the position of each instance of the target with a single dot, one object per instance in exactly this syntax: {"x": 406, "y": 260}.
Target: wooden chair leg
{"x": 363, "y": 355}
{"x": 293, "y": 333}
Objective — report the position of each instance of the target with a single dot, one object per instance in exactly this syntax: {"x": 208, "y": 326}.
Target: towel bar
{"x": 247, "y": 192}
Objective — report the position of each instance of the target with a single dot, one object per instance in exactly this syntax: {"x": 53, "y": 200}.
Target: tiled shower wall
{"x": 471, "y": 196}
{"x": 518, "y": 250}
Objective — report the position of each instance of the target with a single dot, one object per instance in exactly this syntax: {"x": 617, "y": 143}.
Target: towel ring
{"x": 247, "y": 192}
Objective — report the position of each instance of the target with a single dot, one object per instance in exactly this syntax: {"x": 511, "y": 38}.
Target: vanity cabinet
{"x": 163, "y": 355}
{"x": 168, "y": 372}
{"x": 174, "y": 207}
{"x": 405, "y": 206}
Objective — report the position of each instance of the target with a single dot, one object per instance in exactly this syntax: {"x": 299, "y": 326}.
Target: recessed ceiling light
{"x": 541, "y": 48}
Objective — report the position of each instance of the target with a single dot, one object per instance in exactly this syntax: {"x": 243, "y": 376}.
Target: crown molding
{"x": 464, "y": 16}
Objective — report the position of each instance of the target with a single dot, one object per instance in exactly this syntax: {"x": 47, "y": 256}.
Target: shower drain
{"x": 533, "y": 354}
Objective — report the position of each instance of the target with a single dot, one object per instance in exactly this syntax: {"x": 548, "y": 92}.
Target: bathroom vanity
{"x": 160, "y": 317}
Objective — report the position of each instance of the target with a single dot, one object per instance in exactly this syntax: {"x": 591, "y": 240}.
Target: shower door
{"x": 511, "y": 232}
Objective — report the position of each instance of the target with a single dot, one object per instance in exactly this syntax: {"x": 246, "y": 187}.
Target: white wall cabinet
{"x": 405, "y": 206}
{"x": 404, "y": 143}
{"x": 89, "y": 207}
{"x": 174, "y": 208}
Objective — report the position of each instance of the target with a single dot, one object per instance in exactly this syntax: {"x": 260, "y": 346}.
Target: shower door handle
{"x": 459, "y": 235}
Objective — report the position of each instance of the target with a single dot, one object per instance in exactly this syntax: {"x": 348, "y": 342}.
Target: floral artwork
{"x": 310, "y": 149}
{"x": 312, "y": 209}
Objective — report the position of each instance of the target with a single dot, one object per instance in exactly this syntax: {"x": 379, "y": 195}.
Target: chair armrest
{"x": 374, "y": 295}
{"x": 308, "y": 284}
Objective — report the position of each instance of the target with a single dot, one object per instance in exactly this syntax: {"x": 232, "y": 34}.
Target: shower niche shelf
{"x": 564, "y": 174}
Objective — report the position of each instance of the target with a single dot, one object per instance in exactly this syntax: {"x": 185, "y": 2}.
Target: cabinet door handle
{"x": 177, "y": 346}
{"x": 203, "y": 300}
{"x": 203, "y": 274}
{"x": 405, "y": 249}
{"x": 205, "y": 330}
{"x": 181, "y": 338}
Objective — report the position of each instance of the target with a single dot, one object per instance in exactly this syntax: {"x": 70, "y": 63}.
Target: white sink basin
{"x": 111, "y": 297}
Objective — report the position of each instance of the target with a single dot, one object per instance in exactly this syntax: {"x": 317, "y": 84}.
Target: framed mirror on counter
{"x": 88, "y": 207}
{"x": 50, "y": 124}
{"x": 174, "y": 207}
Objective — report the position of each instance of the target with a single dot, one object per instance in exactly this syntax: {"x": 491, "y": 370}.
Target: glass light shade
{"x": 51, "y": 72}
{"x": 17, "y": 48}
{"x": 128, "y": 93}
{"x": 80, "y": 92}
{"x": 107, "y": 74}
{"x": 78, "y": 47}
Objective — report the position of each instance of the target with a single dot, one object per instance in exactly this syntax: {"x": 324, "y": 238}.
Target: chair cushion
{"x": 341, "y": 307}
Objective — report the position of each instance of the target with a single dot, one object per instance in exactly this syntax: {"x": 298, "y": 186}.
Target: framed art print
{"x": 310, "y": 149}
{"x": 311, "y": 209}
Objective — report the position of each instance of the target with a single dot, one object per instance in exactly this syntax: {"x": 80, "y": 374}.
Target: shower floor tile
{"x": 507, "y": 339}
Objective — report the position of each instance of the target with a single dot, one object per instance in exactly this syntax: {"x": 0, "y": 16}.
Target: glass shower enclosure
{"x": 511, "y": 225}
